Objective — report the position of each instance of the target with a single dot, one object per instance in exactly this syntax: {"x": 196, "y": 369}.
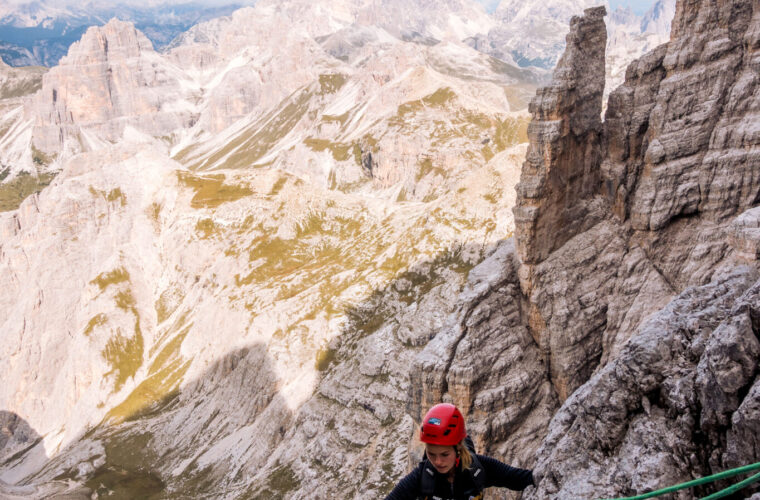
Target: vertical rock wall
{"x": 563, "y": 158}
{"x": 558, "y": 200}
{"x": 680, "y": 130}
{"x": 637, "y": 263}
{"x": 645, "y": 305}
{"x": 675, "y": 161}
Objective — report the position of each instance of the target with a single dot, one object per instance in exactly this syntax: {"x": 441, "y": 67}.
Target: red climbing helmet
{"x": 443, "y": 425}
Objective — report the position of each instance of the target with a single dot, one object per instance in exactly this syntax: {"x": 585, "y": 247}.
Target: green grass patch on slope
{"x": 153, "y": 393}
{"x": 511, "y": 131}
{"x": 126, "y": 473}
{"x": 331, "y": 83}
{"x": 278, "y": 185}
{"x": 206, "y": 228}
{"x": 325, "y": 357}
{"x": 40, "y": 158}
{"x": 104, "y": 280}
{"x": 161, "y": 386}
{"x": 280, "y": 482}
{"x": 340, "y": 152}
{"x": 112, "y": 196}
{"x": 439, "y": 98}
{"x": 210, "y": 190}
{"x": 168, "y": 302}
{"x": 15, "y": 191}
{"x": 342, "y": 119}
{"x": 95, "y": 321}
{"x": 280, "y": 257}
{"x": 124, "y": 353}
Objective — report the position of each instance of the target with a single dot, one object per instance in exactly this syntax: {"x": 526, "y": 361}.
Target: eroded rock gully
{"x": 632, "y": 297}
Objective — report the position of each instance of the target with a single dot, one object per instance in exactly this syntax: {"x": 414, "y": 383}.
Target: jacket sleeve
{"x": 505, "y": 476}
{"x": 408, "y": 488}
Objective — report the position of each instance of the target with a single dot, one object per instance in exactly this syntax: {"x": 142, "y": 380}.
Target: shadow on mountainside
{"x": 237, "y": 395}
{"x": 360, "y": 407}
{"x": 215, "y": 436}
{"x": 17, "y": 438}
{"x": 19, "y": 445}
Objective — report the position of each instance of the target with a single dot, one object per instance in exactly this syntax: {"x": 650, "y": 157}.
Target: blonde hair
{"x": 464, "y": 455}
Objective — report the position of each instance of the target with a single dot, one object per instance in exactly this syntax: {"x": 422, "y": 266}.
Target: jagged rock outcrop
{"x": 699, "y": 128}
{"x": 111, "y": 78}
{"x": 653, "y": 394}
{"x": 636, "y": 253}
{"x": 560, "y": 171}
{"x": 559, "y": 181}
{"x": 705, "y": 170}
{"x": 657, "y": 414}
{"x": 485, "y": 360}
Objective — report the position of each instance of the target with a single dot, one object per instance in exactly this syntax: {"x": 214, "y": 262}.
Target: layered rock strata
{"x": 675, "y": 145}
{"x": 561, "y": 165}
{"x": 559, "y": 181}
{"x": 637, "y": 264}
{"x": 653, "y": 394}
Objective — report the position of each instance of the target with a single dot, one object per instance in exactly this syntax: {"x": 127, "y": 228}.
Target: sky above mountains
{"x": 638, "y": 6}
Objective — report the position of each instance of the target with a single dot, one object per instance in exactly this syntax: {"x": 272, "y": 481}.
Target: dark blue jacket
{"x": 496, "y": 474}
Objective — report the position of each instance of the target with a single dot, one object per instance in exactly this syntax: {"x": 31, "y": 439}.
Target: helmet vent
{"x": 443, "y": 425}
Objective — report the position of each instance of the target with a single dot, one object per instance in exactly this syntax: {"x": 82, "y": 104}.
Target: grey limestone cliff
{"x": 624, "y": 326}
{"x": 645, "y": 303}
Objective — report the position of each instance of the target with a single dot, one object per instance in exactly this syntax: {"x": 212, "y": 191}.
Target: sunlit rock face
{"x": 558, "y": 183}
{"x": 252, "y": 281}
{"x": 110, "y": 78}
{"x": 227, "y": 294}
{"x": 188, "y": 292}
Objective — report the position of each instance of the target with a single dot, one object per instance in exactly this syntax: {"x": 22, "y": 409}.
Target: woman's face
{"x": 443, "y": 458}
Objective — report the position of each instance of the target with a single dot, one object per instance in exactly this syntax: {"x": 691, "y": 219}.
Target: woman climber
{"x": 450, "y": 469}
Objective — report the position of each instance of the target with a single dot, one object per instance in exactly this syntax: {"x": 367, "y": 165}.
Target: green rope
{"x": 705, "y": 480}
{"x": 734, "y": 488}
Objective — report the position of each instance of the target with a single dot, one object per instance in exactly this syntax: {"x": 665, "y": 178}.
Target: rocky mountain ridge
{"x": 41, "y": 32}
{"x": 214, "y": 97}
{"x": 621, "y": 318}
{"x": 524, "y": 34}
{"x": 384, "y": 171}
{"x": 668, "y": 389}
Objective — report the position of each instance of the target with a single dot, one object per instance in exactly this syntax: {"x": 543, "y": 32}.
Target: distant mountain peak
{"x": 40, "y": 33}
{"x": 659, "y": 17}
{"x": 116, "y": 37}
